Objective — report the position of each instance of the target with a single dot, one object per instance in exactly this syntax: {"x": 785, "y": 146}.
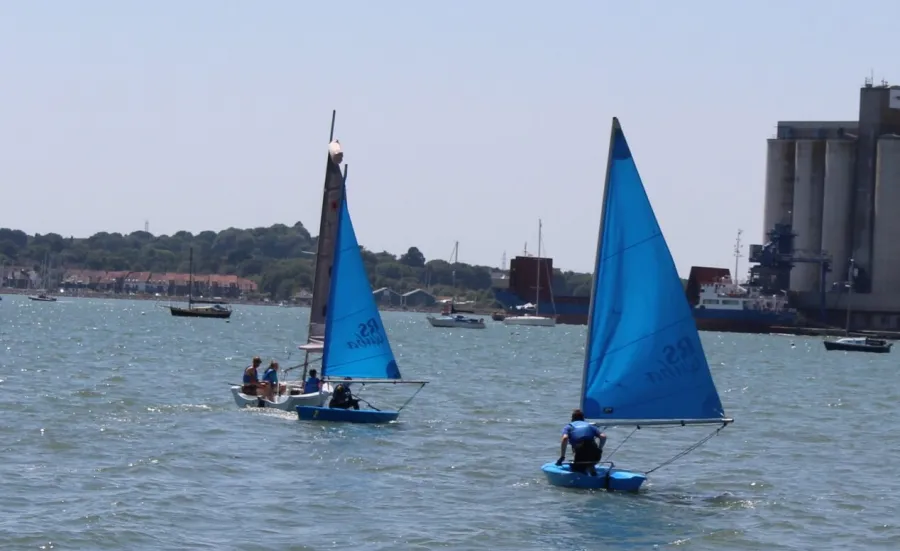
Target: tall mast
{"x": 850, "y": 275}
{"x": 191, "y": 278}
{"x": 614, "y": 129}
{"x": 332, "y": 196}
{"x": 737, "y": 256}
{"x": 537, "y": 295}
{"x": 453, "y": 272}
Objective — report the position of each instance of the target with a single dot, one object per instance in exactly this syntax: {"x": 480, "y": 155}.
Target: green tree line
{"x": 278, "y": 258}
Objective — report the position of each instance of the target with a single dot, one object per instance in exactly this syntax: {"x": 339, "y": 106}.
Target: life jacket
{"x": 341, "y": 393}
{"x": 580, "y": 432}
{"x": 266, "y": 375}
{"x": 312, "y": 385}
{"x": 250, "y": 375}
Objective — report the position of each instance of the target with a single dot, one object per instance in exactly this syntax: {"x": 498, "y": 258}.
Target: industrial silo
{"x": 840, "y": 171}
{"x": 886, "y": 239}
{"x": 809, "y": 195}
{"x": 779, "y": 184}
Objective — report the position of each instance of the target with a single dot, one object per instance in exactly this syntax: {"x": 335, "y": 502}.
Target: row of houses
{"x": 417, "y": 298}
{"x": 167, "y": 283}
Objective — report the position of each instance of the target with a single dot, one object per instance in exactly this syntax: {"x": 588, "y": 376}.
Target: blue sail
{"x": 643, "y": 358}
{"x": 356, "y": 344}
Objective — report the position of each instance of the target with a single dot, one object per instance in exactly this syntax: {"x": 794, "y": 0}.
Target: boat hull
{"x": 43, "y": 299}
{"x": 313, "y": 413}
{"x": 530, "y": 321}
{"x": 608, "y": 478}
{"x": 741, "y": 321}
{"x": 286, "y": 402}
{"x": 877, "y": 349}
{"x": 199, "y": 313}
{"x": 450, "y": 322}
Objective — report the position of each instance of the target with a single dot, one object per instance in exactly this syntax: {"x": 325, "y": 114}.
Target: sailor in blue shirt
{"x": 313, "y": 384}
{"x": 583, "y": 437}
{"x": 270, "y": 377}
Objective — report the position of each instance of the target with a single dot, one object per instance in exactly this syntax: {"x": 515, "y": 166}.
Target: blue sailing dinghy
{"x": 644, "y": 364}
{"x": 356, "y": 346}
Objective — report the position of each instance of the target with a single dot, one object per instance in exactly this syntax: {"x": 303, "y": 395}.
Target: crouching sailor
{"x": 342, "y": 397}
{"x": 583, "y": 437}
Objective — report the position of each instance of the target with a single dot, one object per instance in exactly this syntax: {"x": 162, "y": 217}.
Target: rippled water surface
{"x": 118, "y": 431}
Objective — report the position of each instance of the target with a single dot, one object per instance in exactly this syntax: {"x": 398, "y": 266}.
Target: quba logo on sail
{"x": 678, "y": 359}
{"x": 368, "y": 334}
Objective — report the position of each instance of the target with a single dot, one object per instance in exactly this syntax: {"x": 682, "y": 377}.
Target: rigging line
{"x": 411, "y": 398}
{"x": 686, "y": 451}
{"x": 622, "y": 443}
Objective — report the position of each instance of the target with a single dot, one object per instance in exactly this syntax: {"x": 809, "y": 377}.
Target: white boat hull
{"x": 284, "y": 402}
{"x": 534, "y": 321}
{"x": 465, "y": 323}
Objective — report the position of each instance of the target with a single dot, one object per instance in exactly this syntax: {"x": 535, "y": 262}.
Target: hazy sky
{"x": 460, "y": 120}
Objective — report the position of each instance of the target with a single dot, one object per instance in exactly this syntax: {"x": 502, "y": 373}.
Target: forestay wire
{"x": 612, "y": 453}
{"x": 684, "y": 452}
{"x": 411, "y": 397}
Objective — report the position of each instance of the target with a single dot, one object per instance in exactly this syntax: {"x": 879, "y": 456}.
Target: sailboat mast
{"x": 453, "y": 272}
{"x": 614, "y": 128}
{"x": 537, "y": 294}
{"x": 332, "y": 196}
{"x": 191, "y": 277}
{"x": 849, "y": 293}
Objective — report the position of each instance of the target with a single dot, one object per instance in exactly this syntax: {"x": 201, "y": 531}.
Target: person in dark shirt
{"x": 342, "y": 398}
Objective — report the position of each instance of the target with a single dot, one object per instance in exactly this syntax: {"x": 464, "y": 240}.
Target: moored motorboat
{"x": 456, "y": 320}
{"x": 529, "y": 320}
{"x": 859, "y": 344}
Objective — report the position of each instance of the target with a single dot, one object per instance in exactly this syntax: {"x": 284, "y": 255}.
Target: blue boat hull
{"x": 608, "y": 478}
{"x": 317, "y": 413}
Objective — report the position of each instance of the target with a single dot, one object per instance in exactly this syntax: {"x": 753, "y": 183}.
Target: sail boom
{"x": 661, "y": 422}
{"x": 374, "y": 381}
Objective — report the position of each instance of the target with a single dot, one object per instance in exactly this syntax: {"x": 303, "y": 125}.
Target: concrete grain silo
{"x": 809, "y": 195}
{"x": 779, "y": 184}
{"x": 840, "y": 171}
{"x": 886, "y": 238}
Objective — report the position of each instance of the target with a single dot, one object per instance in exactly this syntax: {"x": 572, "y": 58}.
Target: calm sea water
{"x": 118, "y": 431}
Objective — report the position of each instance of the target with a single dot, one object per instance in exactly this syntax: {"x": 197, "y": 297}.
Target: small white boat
{"x": 456, "y": 320}
{"x": 288, "y": 401}
{"x": 450, "y": 317}
{"x": 535, "y": 321}
{"x": 528, "y": 319}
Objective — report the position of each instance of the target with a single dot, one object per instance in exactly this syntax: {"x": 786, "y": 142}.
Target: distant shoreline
{"x": 167, "y": 299}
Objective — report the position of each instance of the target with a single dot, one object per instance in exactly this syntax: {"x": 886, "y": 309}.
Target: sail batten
{"x": 643, "y": 356}
{"x": 356, "y": 344}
